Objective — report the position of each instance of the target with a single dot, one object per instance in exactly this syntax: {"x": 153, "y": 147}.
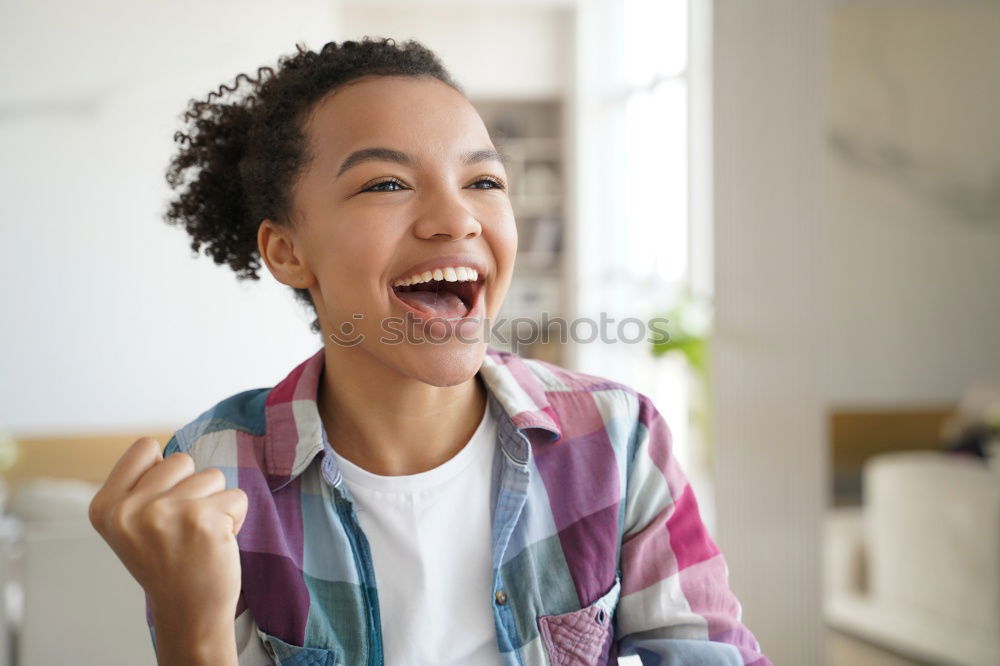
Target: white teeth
{"x": 449, "y": 273}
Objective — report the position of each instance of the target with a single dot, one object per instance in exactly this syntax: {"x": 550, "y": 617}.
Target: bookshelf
{"x": 530, "y": 133}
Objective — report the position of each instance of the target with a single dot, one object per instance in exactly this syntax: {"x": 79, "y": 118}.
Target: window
{"x": 649, "y": 245}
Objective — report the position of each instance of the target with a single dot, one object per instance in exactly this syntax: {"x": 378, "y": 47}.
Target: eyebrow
{"x": 390, "y": 155}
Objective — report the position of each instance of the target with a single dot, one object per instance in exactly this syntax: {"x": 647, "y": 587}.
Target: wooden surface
{"x": 857, "y": 434}
{"x": 84, "y": 457}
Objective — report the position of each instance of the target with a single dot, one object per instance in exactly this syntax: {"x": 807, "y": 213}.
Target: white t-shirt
{"x": 430, "y": 536}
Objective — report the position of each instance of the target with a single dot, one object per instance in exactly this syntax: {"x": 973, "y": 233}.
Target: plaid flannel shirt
{"x": 598, "y": 547}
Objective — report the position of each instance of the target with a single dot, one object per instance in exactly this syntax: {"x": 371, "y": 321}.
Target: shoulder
{"x": 573, "y": 395}
{"x": 211, "y": 437}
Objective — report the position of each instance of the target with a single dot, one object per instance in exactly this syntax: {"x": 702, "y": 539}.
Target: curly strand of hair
{"x": 198, "y": 107}
{"x": 242, "y": 76}
{"x": 195, "y": 110}
{"x": 260, "y": 80}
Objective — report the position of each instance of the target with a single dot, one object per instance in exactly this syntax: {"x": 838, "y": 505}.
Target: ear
{"x": 277, "y": 247}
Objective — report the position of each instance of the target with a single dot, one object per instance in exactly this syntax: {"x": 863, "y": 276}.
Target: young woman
{"x": 408, "y": 494}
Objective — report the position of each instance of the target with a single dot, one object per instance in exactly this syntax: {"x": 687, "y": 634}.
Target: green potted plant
{"x": 688, "y": 333}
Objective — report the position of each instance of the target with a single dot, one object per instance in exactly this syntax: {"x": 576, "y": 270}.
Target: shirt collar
{"x": 292, "y": 415}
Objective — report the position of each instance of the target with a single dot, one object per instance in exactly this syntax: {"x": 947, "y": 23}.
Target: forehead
{"x": 415, "y": 115}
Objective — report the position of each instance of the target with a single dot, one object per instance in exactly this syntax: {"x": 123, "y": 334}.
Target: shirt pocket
{"x": 286, "y": 654}
{"x": 581, "y": 637}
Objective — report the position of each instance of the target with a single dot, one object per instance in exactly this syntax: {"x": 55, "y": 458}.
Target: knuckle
{"x": 198, "y": 518}
{"x": 156, "y": 515}
{"x": 147, "y": 442}
{"x": 181, "y": 458}
{"x": 215, "y": 475}
{"x": 95, "y": 512}
{"x": 244, "y": 499}
{"x": 117, "y": 518}
{"x": 239, "y": 497}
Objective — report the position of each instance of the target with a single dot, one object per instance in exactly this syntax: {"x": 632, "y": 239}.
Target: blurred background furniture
{"x": 916, "y": 568}
{"x": 857, "y": 434}
{"x": 87, "y": 458}
{"x": 66, "y": 598}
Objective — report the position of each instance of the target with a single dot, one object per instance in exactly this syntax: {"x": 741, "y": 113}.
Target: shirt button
{"x": 501, "y": 597}
{"x": 268, "y": 649}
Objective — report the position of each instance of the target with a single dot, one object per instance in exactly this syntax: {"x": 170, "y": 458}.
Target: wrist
{"x": 193, "y": 640}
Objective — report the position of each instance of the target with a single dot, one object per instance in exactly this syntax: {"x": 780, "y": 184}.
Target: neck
{"x": 390, "y": 424}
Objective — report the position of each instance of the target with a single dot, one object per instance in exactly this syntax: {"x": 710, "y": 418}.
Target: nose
{"x": 446, "y": 217}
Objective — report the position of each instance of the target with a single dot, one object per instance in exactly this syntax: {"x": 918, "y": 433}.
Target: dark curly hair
{"x": 244, "y": 145}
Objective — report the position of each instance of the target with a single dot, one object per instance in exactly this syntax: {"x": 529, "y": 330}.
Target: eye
{"x": 387, "y": 181}
{"x": 497, "y": 183}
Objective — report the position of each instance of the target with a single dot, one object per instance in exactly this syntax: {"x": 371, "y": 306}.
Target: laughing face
{"x": 403, "y": 229}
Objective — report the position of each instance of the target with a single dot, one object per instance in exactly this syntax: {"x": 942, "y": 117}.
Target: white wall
{"x": 520, "y": 52}
{"x": 108, "y": 321}
{"x": 861, "y": 281}
{"x": 912, "y": 241}
{"x": 769, "y": 474}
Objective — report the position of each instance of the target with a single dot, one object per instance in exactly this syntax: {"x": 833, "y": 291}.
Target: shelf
{"x": 530, "y": 134}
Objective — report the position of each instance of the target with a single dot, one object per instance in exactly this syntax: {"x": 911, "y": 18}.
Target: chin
{"x": 439, "y": 364}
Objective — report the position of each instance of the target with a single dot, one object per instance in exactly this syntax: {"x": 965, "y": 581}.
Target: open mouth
{"x": 441, "y": 298}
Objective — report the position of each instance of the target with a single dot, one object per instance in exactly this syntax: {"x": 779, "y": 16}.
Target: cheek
{"x": 503, "y": 243}
{"x": 351, "y": 261}
{"x": 503, "y": 239}
{"x": 353, "y": 248}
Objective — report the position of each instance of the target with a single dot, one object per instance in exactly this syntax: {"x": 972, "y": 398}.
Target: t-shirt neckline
{"x": 478, "y": 444}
